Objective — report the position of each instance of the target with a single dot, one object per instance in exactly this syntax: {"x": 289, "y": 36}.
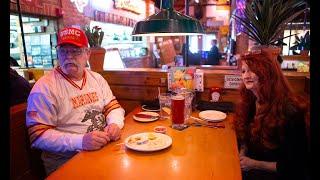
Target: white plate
{"x": 212, "y": 115}
{"x": 148, "y": 141}
{"x": 145, "y": 108}
{"x": 146, "y": 119}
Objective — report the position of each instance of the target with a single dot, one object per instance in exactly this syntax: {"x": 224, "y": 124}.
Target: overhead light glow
{"x": 168, "y": 22}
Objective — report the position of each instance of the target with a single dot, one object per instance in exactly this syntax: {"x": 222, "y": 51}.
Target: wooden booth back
{"x": 25, "y": 163}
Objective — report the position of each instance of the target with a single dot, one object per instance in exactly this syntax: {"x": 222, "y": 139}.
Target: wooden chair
{"x": 25, "y": 163}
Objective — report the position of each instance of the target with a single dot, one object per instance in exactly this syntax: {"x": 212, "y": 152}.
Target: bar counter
{"x": 195, "y": 153}
{"x": 131, "y": 86}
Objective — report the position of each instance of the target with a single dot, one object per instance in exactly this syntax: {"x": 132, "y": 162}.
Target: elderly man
{"x": 72, "y": 108}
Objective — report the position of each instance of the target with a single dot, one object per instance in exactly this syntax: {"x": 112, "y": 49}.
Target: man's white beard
{"x": 69, "y": 62}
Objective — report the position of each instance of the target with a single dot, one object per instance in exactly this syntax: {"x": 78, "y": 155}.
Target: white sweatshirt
{"x": 60, "y": 111}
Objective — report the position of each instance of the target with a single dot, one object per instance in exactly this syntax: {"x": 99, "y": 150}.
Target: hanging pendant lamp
{"x": 168, "y": 22}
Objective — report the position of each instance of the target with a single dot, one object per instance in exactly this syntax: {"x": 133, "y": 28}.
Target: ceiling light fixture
{"x": 168, "y": 22}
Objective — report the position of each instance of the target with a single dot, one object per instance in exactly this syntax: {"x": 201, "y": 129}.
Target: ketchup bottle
{"x": 215, "y": 94}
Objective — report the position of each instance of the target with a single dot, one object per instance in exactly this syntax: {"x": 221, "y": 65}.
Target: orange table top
{"x": 195, "y": 153}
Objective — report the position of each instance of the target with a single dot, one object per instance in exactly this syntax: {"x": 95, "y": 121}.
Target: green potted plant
{"x": 265, "y": 20}
{"x": 302, "y": 43}
{"x": 95, "y": 37}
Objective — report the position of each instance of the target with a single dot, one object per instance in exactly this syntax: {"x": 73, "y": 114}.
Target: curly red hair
{"x": 264, "y": 126}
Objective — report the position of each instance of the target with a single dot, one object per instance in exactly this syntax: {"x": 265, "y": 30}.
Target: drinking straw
{"x": 159, "y": 90}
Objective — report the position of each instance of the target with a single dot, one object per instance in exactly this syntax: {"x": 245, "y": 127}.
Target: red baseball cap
{"x": 73, "y": 36}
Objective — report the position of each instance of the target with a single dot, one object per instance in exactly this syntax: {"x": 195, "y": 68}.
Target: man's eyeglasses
{"x": 73, "y": 51}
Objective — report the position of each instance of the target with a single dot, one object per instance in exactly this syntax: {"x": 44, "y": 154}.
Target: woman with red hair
{"x": 269, "y": 123}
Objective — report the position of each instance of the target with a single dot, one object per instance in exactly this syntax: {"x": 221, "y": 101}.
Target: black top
{"x": 214, "y": 56}
{"x": 292, "y": 154}
{"x": 19, "y": 88}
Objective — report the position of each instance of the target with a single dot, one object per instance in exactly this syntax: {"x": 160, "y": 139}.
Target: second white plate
{"x": 148, "y": 141}
{"x": 212, "y": 115}
{"x": 147, "y": 119}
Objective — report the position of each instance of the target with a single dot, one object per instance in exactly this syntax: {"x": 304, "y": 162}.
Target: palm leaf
{"x": 264, "y": 21}
{"x": 301, "y": 43}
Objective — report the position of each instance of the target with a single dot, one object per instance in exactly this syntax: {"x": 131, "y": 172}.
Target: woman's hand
{"x": 113, "y": 131}
{"x": 243, "y": 150}
{"x": 247, "y": 163}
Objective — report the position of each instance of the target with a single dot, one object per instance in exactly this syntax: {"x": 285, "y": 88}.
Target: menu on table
{"x": 181, "y": 77}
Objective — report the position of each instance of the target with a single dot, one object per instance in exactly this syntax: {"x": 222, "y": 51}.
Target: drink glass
{"x": 188, "y": 104}
{"x": 188, "y": 95}
{"x": 178, "y": 111}
{"x": 165, "y": 105}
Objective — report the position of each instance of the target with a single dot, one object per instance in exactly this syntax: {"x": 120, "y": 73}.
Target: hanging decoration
{"x": 241, "y": 5}
{"x": 80, "y": 4}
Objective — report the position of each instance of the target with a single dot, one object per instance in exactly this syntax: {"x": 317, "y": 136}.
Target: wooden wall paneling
{"x": 19, "y": 165}
{"x": 135, "y": 78}
{"x": 129, "y": 105}
{"x": 213, "y": 80}
{"x": 217, "y": 80}
{"x": 133, "y": 87}
{"x": 141, "y": 93}
{"x": 137, "y": 85}
{"x": 228, "y": 95}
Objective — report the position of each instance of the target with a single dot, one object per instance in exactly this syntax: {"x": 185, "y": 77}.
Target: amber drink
{"x": 177, "y": 110}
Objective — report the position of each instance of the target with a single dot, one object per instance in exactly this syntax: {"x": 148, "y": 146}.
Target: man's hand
{"x": 247, "y": 163}
{"x": 94, "y": 140}
{"x": 113, "y": 131}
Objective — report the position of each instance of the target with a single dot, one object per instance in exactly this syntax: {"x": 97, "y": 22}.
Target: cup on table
{"x": 165, "y": 105}
{"x": 188, "y": 95}
{"x": 188, "y": 103}
{"x": 178, "y": 111}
